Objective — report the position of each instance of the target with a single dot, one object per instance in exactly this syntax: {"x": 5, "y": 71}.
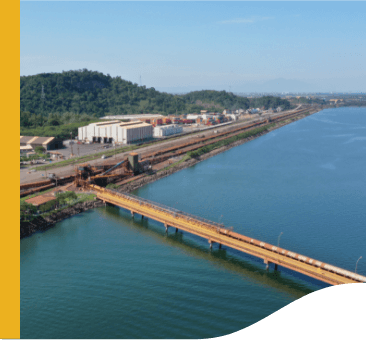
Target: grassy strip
{"x": 216, "y": 145}
{"x": 85, "y": 197}
{"x": 184, "y": 158}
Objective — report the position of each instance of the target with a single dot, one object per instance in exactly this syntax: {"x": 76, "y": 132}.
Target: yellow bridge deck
{"x": 210, "y": 230}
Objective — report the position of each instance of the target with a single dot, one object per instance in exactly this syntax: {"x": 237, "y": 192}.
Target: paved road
{"x": 26, "y": 177}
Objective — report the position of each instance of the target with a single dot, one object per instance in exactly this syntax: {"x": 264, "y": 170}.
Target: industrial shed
{"x": 167, "y": 130}
{"x": 115, "y": 132}
{"x": 49, "y": 143}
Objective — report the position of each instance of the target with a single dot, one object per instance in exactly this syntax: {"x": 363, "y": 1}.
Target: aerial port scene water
{"x": 173, "y": 183}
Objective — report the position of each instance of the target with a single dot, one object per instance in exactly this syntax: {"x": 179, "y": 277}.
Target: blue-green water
{"x": 103, "y": 275}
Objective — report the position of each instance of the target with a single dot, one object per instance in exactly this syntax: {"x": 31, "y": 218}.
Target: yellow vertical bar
{"x": 9, "y": 240}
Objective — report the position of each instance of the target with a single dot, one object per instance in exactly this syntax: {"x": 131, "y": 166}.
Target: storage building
{"x": 193, "y": 116}
{"x": 48, "y": 143}
{"x": 167, "y": 130}
{"x": 115, "y": 131}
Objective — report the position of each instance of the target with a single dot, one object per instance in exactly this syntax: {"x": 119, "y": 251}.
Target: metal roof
{"x": 25, "y": 139}
{"x": 26, "y": 147}
{"x": 106, "y": 123}
{"x": 48, "y": 140}
{"x": 134, "y": 125}
{"x": 36, "y": 140}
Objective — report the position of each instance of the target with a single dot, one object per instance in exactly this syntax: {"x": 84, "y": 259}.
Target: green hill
{"x": 81, "y": 95}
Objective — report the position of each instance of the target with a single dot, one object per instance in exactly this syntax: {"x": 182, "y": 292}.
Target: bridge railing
{"x": 221, "y": 229}
{"x": 168, "y": 209}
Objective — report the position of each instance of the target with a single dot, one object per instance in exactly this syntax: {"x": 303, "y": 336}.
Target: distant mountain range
{"x": 280, "y": 85}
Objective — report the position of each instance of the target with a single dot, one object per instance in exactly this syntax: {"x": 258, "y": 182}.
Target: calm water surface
{"x": 103, "y": 275}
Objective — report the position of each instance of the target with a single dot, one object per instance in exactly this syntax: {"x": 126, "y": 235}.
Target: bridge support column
{"x": 220, "y": 246}
{"x": 176, "y": 230}
{"x": 210, "y": 244}
{"x": 142, "y": 217}
{"x": 166, "y": 226}
{"x": 132, "y": 214}
{"x": 267, "y": 264}
{"x": 276, "y": 267}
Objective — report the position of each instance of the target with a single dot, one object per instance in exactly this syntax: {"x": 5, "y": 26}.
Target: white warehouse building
{"x": 167, "y": 130}
{"x": 115, "y": 131}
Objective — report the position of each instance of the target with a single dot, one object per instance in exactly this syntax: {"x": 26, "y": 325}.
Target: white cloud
{"x": 245, "y": 20}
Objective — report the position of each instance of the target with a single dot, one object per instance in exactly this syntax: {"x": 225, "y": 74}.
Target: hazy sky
{"x": 182, "y": 46}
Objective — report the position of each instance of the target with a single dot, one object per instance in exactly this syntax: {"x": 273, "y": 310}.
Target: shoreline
{"x": 134, "y": 185}
{"x": 40, "y": 224}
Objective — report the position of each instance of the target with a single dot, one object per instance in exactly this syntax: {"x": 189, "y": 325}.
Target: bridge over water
{"x": 217, "y": 233}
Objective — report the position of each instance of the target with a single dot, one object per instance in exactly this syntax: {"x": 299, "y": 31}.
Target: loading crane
{"x": 87, "y": 174}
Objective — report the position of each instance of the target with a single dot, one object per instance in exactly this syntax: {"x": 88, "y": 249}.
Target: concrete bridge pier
{"x": 132, "y": 214}
{"x": 142, "y": 217}
{"x": 166, "y": 226}
{"x": 220, "y": 246}
{"x": 275, "y": 267}
{"x": 267, "y": 264}
{"x": 210, "y": 244}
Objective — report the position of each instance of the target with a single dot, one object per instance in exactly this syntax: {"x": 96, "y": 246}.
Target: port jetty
{"x": 111, "y": 182}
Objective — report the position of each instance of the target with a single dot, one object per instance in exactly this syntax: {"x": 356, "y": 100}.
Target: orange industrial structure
{"x": 216, "y": 233}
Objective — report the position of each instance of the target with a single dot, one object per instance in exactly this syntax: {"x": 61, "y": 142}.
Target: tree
{"x": 62, "y": 197}
{"x": 27, "y": 210}
{"x": 39, "y": 149}
{"x": 71, "y": 195}
{"x": 47, "y": 206}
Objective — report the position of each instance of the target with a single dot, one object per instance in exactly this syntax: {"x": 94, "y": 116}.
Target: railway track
{"x": 204, "y": 141}
{"x": 162, "y": 155}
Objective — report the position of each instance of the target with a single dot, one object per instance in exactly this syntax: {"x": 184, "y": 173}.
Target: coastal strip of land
{"x": 166, "y": 168}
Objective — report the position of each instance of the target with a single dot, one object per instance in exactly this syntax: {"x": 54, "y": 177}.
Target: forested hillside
{"x": 76, "y": 96}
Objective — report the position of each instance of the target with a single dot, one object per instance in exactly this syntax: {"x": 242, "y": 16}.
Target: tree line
{"x": 82, "y": 95}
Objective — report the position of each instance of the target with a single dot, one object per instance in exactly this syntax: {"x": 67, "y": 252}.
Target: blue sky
{"x": 183, "y": 46}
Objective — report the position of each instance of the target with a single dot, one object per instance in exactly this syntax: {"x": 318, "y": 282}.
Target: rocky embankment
{"x": 44, "y": 223}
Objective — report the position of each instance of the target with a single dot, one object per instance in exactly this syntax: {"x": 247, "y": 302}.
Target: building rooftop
{"x": 36, "y": 140}
{"x": 134, "y": 125}
{"x": 137, "y": 116}
{"x": 111, "y": 122}
{"x": 25, "y": 139}
{"x": 26, "y": 147}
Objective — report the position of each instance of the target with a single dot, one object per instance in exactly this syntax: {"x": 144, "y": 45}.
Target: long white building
{"x": 115, "y": 131}
{"x": 167, "y": 130}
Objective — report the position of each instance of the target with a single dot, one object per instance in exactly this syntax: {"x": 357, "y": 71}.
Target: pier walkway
{"x": 217, "y": 233}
